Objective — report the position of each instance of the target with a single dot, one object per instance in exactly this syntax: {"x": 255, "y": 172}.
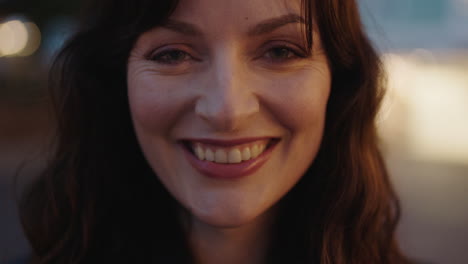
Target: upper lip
{"x": 226, "y": 142}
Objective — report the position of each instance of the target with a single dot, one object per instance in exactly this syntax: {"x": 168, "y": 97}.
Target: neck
{"x": 245, "y": 244}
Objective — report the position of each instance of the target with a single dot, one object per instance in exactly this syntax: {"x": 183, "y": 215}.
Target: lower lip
{"x": 228, "y": 170}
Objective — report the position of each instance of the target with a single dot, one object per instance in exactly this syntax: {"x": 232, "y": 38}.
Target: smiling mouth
{"x": 234, "y": 154}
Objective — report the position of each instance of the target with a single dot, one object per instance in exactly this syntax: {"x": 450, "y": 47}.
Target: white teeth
{"x": 228, "y": 155}
{"x": 209, "y": 155}
{"x": 221, "y": 156}
{"x": 199, "y": 152}
{"x": 255, "y": 151}
{"x": 234, "y": 156}
{"x": 246, "y": 154}
{"x": 261, "y": 148}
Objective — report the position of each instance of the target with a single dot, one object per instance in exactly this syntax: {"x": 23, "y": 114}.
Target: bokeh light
{"x": 427, "y": 98}
{"x": 18, "y": 38}
{"x": 13, "y": 37}
{"x": 34, "y": 40}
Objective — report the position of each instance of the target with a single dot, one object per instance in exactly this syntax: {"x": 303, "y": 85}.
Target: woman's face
{"x": 227, "y": 106}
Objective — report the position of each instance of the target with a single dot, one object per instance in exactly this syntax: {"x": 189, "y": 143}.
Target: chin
{"x": 223, "y": 220}
{"x": 224, "y": 217}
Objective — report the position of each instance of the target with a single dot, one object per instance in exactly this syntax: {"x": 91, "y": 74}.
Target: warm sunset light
{"x": 428, "y": 99}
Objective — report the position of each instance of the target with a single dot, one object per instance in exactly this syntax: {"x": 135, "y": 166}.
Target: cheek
{"x": 154, "y": 104}
{"x": 300, "y": 102}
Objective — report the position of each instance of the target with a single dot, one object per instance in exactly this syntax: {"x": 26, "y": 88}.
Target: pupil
{"x": 172, "y": 56}
{"x": 176, "y": 55}
{"x": 281, "y": 53}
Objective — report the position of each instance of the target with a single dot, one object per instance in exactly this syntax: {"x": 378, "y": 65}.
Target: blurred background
{"x": 423, "y": 122}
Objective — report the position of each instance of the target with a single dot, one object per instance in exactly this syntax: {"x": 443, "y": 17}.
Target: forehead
{"x": 229, "y": 14}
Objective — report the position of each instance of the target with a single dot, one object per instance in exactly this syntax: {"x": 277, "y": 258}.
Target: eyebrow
{"x": 261, "y": 28}
{"x": 272, "y": 24}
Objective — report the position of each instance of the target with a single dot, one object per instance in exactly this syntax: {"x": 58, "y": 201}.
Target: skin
{"x": 228, "y": 82}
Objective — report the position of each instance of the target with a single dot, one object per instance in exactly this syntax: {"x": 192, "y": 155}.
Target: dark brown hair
{"x": 98, "y": 201}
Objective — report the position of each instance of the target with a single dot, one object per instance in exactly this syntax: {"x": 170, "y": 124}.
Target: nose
{"x": 228, "y": 101}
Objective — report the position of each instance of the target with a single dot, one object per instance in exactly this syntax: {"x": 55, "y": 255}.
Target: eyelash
{"x": 293, "y": 53}
{"x": 161, "y": 57}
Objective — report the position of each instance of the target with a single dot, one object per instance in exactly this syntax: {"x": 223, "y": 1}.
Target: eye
{"x": 171, "y": 57}
{"x": 282, "y": 53}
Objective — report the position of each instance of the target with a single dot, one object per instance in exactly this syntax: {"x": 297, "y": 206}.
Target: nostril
{"x": 228, "y": 110}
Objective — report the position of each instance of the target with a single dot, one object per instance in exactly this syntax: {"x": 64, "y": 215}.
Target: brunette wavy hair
{"x": 98, "y": 201}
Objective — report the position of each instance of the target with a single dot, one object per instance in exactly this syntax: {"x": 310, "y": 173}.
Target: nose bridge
{"x": 227, "y": 101}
